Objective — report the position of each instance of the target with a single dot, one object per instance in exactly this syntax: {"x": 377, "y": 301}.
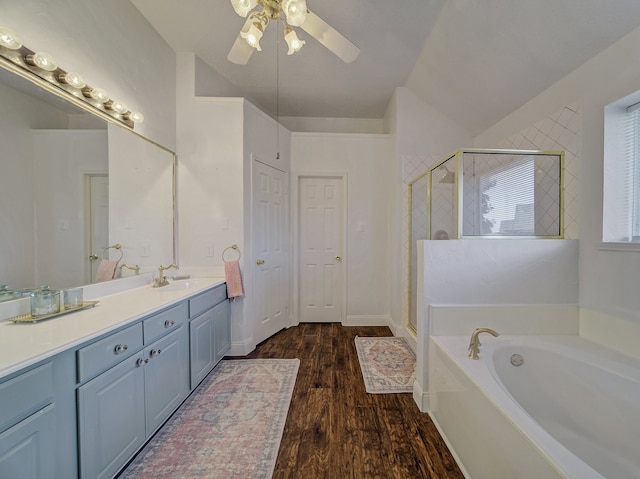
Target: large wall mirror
{"x": 71, "y": 185}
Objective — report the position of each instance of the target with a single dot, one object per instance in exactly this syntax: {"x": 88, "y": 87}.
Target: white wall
{"x": 608, "y": 279}
{"x": 62, "y": 158}
{"x": 210, "y": 174}
{"x": 20, "y": 113}
{"x": 422, "y": 136}
{"x": 334, "y": 125}
{"x": 140, "y": 201}
{"x": 113, "y": 46}
{"x": 367, "y": 162}
{"x": 210, "y": 183}
{"x": 217, "y": 139}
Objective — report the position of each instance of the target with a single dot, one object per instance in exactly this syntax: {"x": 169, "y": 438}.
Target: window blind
{"x": 509, "y": 193}
{"x": 632, "y": 169}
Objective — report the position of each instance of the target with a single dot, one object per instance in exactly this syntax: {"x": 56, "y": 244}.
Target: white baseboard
{"x": 369, "y": 320}
{"x": 241, "y": 348}
{"x": 420, "y": 397}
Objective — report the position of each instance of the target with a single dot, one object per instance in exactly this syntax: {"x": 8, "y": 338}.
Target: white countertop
{"x": 24, "y": 344}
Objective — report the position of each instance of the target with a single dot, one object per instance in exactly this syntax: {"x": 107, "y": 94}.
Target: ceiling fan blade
{"x": 241, "y": 51}
{"x": 330, "y": 37}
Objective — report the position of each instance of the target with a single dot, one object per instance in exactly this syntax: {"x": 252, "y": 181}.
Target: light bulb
{"x": 98, "y": 94}
{"x": 9, "y": 39}
{"x": 243, "y": 7}
{"x": 295, "y": 11}
{"x": 73, "y": 79}
{"x": 295, "y": 44}
{"x": 135, "y": 116}
{"x": 42, "y": 60}
{"x": 253, "y": 36}
{"x": 116, "y": 106}
{"x": 119, "y": 107}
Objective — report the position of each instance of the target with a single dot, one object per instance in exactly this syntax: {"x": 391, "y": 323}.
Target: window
{"x": 512, "y": 193}
{"x": 632, "y": 164}
{"x": 621, "y": 194}
{"x": 509, "y": 199}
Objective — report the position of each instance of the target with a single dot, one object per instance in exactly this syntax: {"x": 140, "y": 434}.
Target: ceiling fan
{"x": 292, "y": 13}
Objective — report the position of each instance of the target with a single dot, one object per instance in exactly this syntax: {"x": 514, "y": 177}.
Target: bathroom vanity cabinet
{"x": 37, "y": 421}
{"x": 209, "y": 331}
{"x": 122, "y": 407}
{"x": 87, "y": 410}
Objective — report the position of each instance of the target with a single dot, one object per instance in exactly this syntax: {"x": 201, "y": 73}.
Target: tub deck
{"x": 481, "y": 421}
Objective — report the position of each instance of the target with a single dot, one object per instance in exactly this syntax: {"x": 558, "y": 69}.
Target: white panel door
{"x": 320, "y": 220}
{"x": 98, "y": 222}
{"x": 270, "y": 235}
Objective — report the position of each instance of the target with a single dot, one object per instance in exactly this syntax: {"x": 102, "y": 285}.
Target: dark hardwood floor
{"x": 335, "y": 429}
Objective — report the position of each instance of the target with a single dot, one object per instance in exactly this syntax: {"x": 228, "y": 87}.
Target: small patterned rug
{"x": 230, "y": 427}
{"x": 388, "y": 364}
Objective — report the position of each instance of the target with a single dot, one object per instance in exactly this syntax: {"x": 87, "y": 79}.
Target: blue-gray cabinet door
{"x": 111, "y": 419}
{"x": 222, "y": 330}
{"x": 166, "y": 377}
{"x": 27, "y": 450}
{"x": 202, "y": 357}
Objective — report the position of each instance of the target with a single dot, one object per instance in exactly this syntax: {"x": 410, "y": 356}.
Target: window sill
{"x": 620, "y": 246}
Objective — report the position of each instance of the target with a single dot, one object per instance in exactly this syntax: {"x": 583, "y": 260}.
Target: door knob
{"x": 338, "y": 258}
{"x": 260, "y": 261}
{"x": 93, "y": 257}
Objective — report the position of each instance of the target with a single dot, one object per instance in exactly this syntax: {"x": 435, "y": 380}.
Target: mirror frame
{"x": 80, "y": 103}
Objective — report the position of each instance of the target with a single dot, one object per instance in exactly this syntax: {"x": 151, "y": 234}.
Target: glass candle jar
{"x": 45, "y": 302}
{"x": 72, "y": 298}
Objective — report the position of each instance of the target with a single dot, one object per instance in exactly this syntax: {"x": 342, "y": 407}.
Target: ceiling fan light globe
{"x": 243, "y": 7}
{"x": 253, "y": 36}
{"x": 295, "y": 11}
{"x": 294, "y": 43}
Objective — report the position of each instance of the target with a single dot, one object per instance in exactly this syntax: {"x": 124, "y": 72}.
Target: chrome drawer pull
{"x": 155, "y": 352}
{"x": 120, "y": 348}
{"x": 141, "y": 361}
{"x": 168, "y": 323}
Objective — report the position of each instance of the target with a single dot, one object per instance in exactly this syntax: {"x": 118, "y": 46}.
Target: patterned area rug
{"x": 388, "y": 364}
{"x": 230, "y": 427}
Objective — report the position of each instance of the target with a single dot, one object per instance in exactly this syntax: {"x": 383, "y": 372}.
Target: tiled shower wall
{"x": 559, "y": 131}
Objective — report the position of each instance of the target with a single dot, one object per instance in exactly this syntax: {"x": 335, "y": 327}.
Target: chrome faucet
{"x": 474, "y": 344}
{"x": 162, "y": 280}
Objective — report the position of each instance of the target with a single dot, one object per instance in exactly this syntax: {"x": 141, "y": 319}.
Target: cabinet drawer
{"x": 25, "y": 394}
{"x": 207, "y": 300}
{"x": 103, "y": 354}
{"x": 160, "y": 324}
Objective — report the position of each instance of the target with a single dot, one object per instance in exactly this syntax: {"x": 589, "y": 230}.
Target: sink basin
{"x": 176, "y": 286}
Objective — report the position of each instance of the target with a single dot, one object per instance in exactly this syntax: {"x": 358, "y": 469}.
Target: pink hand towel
{"x": 234, "y": 279}
{"x": 106, "y": 270}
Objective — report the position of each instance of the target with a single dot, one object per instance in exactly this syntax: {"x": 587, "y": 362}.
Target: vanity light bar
{"x": 44, "y": 67}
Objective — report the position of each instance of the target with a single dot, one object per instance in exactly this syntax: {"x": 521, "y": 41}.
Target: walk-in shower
{"x": 475, "y": 193}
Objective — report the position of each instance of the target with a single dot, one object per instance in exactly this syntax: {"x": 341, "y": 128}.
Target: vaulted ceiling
{"x": 475, "y": 61}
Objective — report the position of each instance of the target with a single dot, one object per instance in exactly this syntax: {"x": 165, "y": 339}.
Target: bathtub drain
{"x": 517, "y": 360}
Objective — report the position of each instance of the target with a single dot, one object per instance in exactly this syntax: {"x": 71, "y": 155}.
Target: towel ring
{"x": 117, "y": 246}
{"x": 232, "y": 247}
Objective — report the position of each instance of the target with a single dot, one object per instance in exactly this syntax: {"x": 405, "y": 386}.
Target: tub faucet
{"x": 474, "y": 344}
{"x": 162, "y": 280}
